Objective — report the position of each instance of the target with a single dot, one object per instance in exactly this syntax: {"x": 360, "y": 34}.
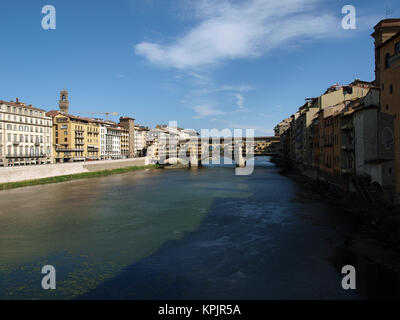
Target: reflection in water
{"x": 200, "y": 233}
{"x": 91, "y": 229}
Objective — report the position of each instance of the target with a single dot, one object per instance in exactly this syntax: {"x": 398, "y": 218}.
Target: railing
{"x": 348, "y": 147}
{"x": 41, "y": 155}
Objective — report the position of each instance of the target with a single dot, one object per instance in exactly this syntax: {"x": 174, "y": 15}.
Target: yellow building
{"x": 75, "y": 138}
{"x": 337, "y": 94}
{"x": 124, "y": 142}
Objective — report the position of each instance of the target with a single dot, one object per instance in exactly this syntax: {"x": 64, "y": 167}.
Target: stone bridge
{"x": 194, "y": 152}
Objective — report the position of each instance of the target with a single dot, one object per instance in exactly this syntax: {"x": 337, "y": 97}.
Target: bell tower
{"x": 64, "y": 103}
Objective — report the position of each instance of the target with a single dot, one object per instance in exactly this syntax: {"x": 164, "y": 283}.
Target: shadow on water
{"x": 198, "y": 234}
{"x": 377, "y": 268}
{"x": 260, "y": 247}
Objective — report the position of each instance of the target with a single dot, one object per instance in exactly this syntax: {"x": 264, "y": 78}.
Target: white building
{"x": 110, "y": 140}
{"x": 187, "y": 134}
{"x": 141, "y": 140}
{"x": 26, "y": 135}
{"x": 164, "y": 141}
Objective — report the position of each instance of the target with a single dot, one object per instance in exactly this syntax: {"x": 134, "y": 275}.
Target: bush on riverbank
{"x": 94, "y": 174}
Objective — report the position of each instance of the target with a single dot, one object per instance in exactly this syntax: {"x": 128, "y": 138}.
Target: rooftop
{"x": 20, "y": 105}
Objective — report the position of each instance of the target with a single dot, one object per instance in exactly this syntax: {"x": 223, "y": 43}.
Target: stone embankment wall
{"x": 14, "y": 174}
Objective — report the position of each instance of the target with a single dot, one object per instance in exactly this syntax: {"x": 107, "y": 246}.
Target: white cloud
{"x": 242, "y": 88}
{"x": 205, "y": 110}
{"x": 224, "y": 88}
{"x": 240, "y": 100}
{"x": 229, "y": 30}
{"x": 257, "y": 128}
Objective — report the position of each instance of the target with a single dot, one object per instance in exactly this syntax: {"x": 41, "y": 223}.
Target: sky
{"x": 205, "y": 64}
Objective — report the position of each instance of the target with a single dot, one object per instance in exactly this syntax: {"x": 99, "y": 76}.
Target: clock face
{"x": 387, "y": 138}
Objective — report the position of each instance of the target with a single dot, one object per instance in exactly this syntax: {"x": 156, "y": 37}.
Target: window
{"x": 387, "y": 61}
{"x": 397, "y": 48}
{"x": 391, "y": 89}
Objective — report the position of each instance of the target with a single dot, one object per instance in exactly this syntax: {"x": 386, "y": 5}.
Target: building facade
{"x": 110, "y": 140}
{"x": 25, "y": 135}
{"x": 141, "y": 140}
{"x": 387, "y": 72}
{"x": 75, "y": 138}
{"x": 129, "y": 125}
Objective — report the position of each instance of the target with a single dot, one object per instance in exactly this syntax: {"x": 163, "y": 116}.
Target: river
{"x": 171, "y": 234}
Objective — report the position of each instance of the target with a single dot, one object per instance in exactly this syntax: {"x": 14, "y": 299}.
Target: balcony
{"x": 15, "y": 143}
{"x": 41, "y": 155}
{"x": 69, "y": 150}
{"x": 348, "y": 147}
{"x": 92, "y": 148}
{"x": 348, "y": 126}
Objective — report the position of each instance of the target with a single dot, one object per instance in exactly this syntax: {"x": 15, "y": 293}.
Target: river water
{"x": 171, "y": 234}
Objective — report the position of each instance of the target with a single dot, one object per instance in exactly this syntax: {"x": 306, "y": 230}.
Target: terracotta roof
{"x": 390, "y": 39}
{"x": 54, "y": 113}
{"x": 20, "y": 105}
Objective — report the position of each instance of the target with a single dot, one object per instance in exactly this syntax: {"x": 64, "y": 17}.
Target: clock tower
{"x": 64, "y": 103}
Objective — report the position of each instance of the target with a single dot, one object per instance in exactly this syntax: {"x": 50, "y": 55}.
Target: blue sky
{"x": 206, "y": 64}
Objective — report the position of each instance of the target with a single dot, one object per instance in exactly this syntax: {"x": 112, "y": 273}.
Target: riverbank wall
{"x": 380, "y": 217}
{"x": 17, "y": 174}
